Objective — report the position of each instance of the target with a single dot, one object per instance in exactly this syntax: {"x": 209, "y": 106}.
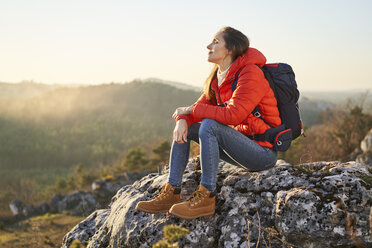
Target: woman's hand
{"x": 180, "y": 131}
{"x": 182, "y": 111}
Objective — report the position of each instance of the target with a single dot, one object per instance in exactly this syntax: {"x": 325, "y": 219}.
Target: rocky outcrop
{"x": 104, "y": 190}
{"x": 88, "y": 227}
{"x": 323, "y": 204}
{"x": 19, "y": 210}
{"x": 366, "y": 150}
{"x": 78, "y": 203}
{"x": 42, "y": 208}
{"x": 366, "y": 144}
{"x": 16, "y": 207}
{"x": 29, "y": 211}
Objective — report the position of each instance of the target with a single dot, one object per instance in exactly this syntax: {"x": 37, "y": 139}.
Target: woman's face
{"x": 217, "y": 50}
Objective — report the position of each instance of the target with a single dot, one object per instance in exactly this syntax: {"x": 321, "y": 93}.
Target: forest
{"x": 44, "y": 137}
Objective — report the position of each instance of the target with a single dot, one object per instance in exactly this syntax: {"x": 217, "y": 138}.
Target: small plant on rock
{"x": 77, "y": 244}
{"x": 172, "y": 233}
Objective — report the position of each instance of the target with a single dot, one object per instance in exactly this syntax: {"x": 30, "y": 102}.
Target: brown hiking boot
{"x": 162, "y": 202}
{"x": 200, "y": 203}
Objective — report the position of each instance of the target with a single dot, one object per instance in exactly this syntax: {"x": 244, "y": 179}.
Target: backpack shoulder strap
{"x": 256, "y": 111}
{"x": 235, "y": 83}
{"x": 269, "y": 79}
{"x": 266, "y": 74}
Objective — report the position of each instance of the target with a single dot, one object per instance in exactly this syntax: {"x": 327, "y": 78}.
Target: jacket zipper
{"x": 218, "y": 93}
{"x": 219, "y": 100}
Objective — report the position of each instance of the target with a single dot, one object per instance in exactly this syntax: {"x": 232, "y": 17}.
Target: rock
{"x": 16, "y": 207}
{"x": 29, "y": 211}
{"x": 366, "y": 148}
{"x": 133, "y": 176}
{"x": 323, "y": 204}
{"x": 365, "y": 159}
{"x": 86, "y": 229}
{"x": 366, "y": 144}
{"x": 79, "y": 203}
{"x": 42, "y": 208}
{"x": 194, "y": 164}
{"x": 354, "y": 154}
{"x": 106, "y": 189}
{"x": 54, "y": 202}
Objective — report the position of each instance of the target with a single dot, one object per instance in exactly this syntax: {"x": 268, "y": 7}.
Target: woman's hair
{"x": 237, "y": 43}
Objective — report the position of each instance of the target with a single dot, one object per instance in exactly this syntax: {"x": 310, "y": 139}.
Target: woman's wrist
{"x": 182, "y": 120}
{"x": 189, "y": 109}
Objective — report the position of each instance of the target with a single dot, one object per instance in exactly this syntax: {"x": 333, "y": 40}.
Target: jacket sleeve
{"x": 251, "y": 88}
{"x": 190, "y": 119}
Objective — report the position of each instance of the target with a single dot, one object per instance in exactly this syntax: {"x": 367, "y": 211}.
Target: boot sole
{"x": 207, "y": 215}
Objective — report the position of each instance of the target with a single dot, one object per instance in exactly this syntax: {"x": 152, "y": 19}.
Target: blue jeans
{"x": 218, "y": 141}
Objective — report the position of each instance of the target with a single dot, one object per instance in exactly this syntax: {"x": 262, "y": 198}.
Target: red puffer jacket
{"x": 252, "y": 90}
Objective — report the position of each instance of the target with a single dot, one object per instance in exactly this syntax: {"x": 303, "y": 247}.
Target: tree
{"x": 162, "y": 152}
{"x": 337, "y": 138}
{"x": 136, "y": 160}
{"x": 351, "y": 129}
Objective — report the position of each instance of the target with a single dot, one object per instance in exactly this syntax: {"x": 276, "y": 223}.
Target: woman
{"x": 222, "y": 123}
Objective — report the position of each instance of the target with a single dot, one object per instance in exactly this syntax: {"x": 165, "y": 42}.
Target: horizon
{"x": 168, "y": 82}
{"x": 96, "y": 42}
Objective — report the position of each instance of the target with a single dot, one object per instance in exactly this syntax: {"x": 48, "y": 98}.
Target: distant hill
{"x": 24, "y": 89}
{"x": 90, "y": 124}
{"x": 30, "y": 89}
{"x": 310, "y": 110}
{"x": 175, "y": 84}
{"x": 312, "y": 104}
{"x": 340, "y": 97}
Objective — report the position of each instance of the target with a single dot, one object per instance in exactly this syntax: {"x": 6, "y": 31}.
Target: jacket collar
{"x": 251, "y": 57}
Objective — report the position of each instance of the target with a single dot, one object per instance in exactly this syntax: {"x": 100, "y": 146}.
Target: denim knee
{"x": 207, "y": 126}
{"x": 193, "y": 132}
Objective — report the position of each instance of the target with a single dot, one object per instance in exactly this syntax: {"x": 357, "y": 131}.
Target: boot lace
{"x": 195, "y": 197}
{"x": 163, "y": 193}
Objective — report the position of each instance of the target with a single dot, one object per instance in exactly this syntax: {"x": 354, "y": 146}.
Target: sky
{"x": 327, "y": 42}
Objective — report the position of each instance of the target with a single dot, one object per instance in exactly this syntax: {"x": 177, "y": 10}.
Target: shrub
{"x": 136, "y": 160}
{"x": 162, "y": 152}
{"x": 336, "y": 138}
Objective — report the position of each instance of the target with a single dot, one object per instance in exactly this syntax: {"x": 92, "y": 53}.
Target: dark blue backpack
{"x": 282, "y": 81}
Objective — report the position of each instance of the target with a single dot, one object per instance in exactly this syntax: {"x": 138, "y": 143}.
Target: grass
{"x": 41, "y": 231}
